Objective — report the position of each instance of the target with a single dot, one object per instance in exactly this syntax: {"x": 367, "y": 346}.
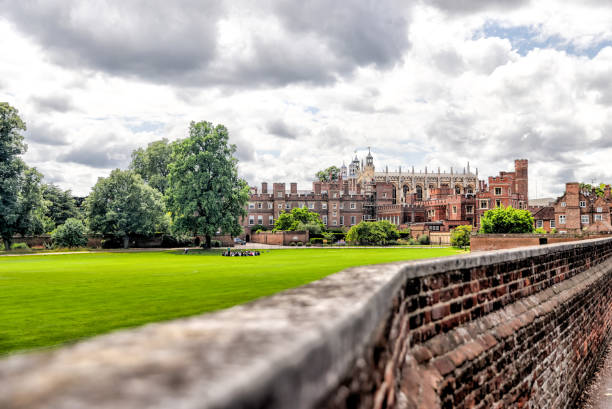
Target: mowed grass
{"x": 50, "y": 300}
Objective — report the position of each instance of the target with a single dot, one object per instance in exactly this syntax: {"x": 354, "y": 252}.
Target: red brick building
{"x": 580, "y": 210}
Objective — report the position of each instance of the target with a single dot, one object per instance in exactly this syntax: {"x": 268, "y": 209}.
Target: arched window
{"x": 458, "y": 190}
{"x": 394, "y": 195}
{"x": 419, "y": 193}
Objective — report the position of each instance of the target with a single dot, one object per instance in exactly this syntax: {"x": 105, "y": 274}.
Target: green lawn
{"x": 49, "y": 300}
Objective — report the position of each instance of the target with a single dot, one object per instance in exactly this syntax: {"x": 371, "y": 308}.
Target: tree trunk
{"x": 126, "y": 242}
{"x": 208, "y": 241}
{"x": 7, "y": 244}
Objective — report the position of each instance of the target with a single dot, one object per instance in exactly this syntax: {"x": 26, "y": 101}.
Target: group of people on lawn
{"x": 239, "y": 253}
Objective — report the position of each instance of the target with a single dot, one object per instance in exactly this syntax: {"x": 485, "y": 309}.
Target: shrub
{"x": 553, "y": 231}
{"x": 316, "y": 240}
{"x": 292, "y": 243}
{"x": 300, "y": 244}
{"x": 507, "y": 220}
{"x": 460, "y": 236}
{"x": 423, "y": 239}
{"x": 392, "y": 243}
{"x": 19, "y": 246}
{"x": 308, "y": 244}
{"x": 214, "y": 243}
{"x": 69, "y": 234}
{"x": 540, "y": 230}
{"x": 258, "y": 228}
{"x": 379, "y": 232}
{"x": 412, "y": 242}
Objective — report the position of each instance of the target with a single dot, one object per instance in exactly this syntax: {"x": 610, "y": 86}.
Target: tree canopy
{"x": 299, "y": 219}
{"x": 329, "y": 174}
{"x": 122, "y": 205}
{"x": 380, "y": 232}
{"x": 60, "y": 205}
{"x": 506, "y": 220}
{"x": 152, "y": 163}
{"x": 460, "y": 236}
{"x": 204, "y": 193}
{"x": 70, "y": 234}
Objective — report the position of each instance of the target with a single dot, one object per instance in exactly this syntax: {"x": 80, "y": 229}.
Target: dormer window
{"x": 582, "y": 203}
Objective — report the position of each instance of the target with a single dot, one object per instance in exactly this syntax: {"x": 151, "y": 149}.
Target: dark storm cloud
{"x": 280, "y": 128}
{"x": 176, "y": 42}
{"x": 45, "y": 134}
{"x": 53, "y": 103}
{"x": 155, "y": 39}
{"x": 472, "y": 6}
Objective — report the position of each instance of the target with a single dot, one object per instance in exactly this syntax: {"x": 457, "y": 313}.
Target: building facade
{"x": 434, "y": 201}
{"x": 580, "y": 210}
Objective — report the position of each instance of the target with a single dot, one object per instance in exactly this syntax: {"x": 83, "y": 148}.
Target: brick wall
{"x": 526, "y": 332}
{"x": 486, "y": 242}
{"x": 280, "y": 238}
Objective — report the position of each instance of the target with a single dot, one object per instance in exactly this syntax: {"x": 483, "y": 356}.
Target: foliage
{"x": 588, "y": 188}
{"x": 290, "y": 221}
{"x": 19, "y": 246}
{"x": 205, "y": 194}
{"x": 423, "y": 239}
{"x": 540, "y": 230}
{"x": 292, "y": 243}
{"x": 215, "y": 243}
{"x": 122, "y": 205}
{"x": 329, "y": 174}
{"x": 60, "y": 205}
{"x": 82, "y": 295}
{"x": 258, "y": 228}
{"x": 507, "y": 220}
{"x": 372, "y": 232}
{"x": 316, "y": 240}
{"x": 312, "y": 228}
{"x": 152, "y": 164}
{"x": 553, "y": 231}
{"x": 300, "y": 244}
{"x": 460, "y": 236}
{"x": 70, "y": 234}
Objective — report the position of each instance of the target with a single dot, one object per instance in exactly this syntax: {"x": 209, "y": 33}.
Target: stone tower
{"x": 521, "y": 170}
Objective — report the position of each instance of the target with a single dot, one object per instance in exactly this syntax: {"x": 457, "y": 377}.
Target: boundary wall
{"x": 486, "y": 242}
{"x": 512, "y": 328}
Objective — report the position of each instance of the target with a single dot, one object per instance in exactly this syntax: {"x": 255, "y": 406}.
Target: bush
{"x": 69, "y": 234}
{"x": 540, "y": 230}
{"x": 19, "y": 246}
{"x": 412, "y": 242}
{"x": 553, "y": 231}
{"x": 392, "y": 243}
{"x": 214, "y": 243}
{"x": 316, "y": 240}
{"x": 292, "y": 243}
{"x": 259, "y": 228}
{"x": 308, "y": 244}
{"x": 379, "y": 232}
{"x": 300, "y": 244}
{"x": 460, "y": 236}
{"x": 423, "y": 239}
{"x": 506, "y": 220}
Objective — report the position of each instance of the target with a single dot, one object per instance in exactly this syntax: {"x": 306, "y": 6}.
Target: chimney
{"x": 293, "y": 188}
{"x": 264, "y": 188}
{"x": 607, "y": 192}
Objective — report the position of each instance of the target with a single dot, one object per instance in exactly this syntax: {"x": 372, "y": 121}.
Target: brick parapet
{"x": 482, "y": 329}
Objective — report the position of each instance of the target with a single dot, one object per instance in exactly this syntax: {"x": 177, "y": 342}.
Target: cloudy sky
{"x": 302, "y": 85}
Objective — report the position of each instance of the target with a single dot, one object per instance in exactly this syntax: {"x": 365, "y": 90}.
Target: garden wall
{"x": 485, "y": 242}
{"x": 280, "y": 238}
{"x": 511, "y": 328}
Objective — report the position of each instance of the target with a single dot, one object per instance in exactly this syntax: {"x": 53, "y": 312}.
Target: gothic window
{"x": 457, "y": 190}
{"x": 419, "y": 193}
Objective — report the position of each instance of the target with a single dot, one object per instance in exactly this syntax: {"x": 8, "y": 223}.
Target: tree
{"x": 329, "y": 174}
{"x": 460, "y": 236}
{"x": 297, "y": 219}
{"x": 152, "y": 163}
{"x": 366, "y": 233}
{"x": 122, "y": 205}
{"x": 205, "y": 194}
{"x": 11, "y": 168}
{"x": 70, "y": 234}
{"x": 507, "y": 220}
{"x": 390, "y": 230}
{"x": 60, "y": 205}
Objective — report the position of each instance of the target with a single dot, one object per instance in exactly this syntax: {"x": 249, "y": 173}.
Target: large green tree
{"x": 60, "y": 204}
{"x": 506, "y": 220}
{"x": 299, "y": 219}
{"x": 20, "y": 195}
{"x": 329, "y": 174}
{"x": 205, "y": 194}
{"x": 122, "y": 205}
{"x": 152, "y": 163}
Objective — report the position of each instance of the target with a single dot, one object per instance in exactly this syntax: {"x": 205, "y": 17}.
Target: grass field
{"x": 50, "y": 300}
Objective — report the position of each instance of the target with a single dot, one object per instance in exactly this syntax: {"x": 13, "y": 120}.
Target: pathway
{"x": 598, "y": 394}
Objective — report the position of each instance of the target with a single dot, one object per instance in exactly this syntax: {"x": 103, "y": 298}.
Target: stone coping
{"x": 288, "y": 350}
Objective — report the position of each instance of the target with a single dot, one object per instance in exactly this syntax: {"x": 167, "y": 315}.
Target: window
{"x": 353, "y": 206}
{"x": 325, "y": 220}
{"x": 385, "y": 195}
{"x": 552, "y": 224}
{"x": 341, "y": 220}
{"x": 311, "y": 205}
{"x": 270, "y": 205}
{"x": 334, "y": 222}
{"x": 584, "y": 219}
{"x": 455, "y": 209}
{"x": 334, "y": 213}
{"x": 352, "y": 220}
{"x": 597, "y": 217}
{"x": 251, "y": 220}
{"x": 323, "y": 205}
{"x": 341, "y": 205}
{"x": 434, "y": 228}
{"x": 334, "y": 206}
{"x": 251, "y": 205}
{"x": 582, "y": 203}
{"x": 363, "y": 217}
{"x": 561, "y": 219}
{"x": 563, "y": 204}
{"x": 288, "y": 206}
{"x": 279, "y": 194}
{"x": 259, "y": 219}
{"x": 484, "y": 204}
{"x": 469, "y": 209}
{"x": 599, "y": 210}
{"x": 335, "y": 195}
{"x": 301, "y": 205}
{"x": 497, "y": 203}
{"x": 498, "y": 191}
{"x": 271, "y": 220}
{"x": 280, "y": 205}
{"x": 259, "y": 205}
{"x": 539, "y": 223}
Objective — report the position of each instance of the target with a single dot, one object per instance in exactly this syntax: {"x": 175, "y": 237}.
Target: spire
{"x": 468, "y": 166}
